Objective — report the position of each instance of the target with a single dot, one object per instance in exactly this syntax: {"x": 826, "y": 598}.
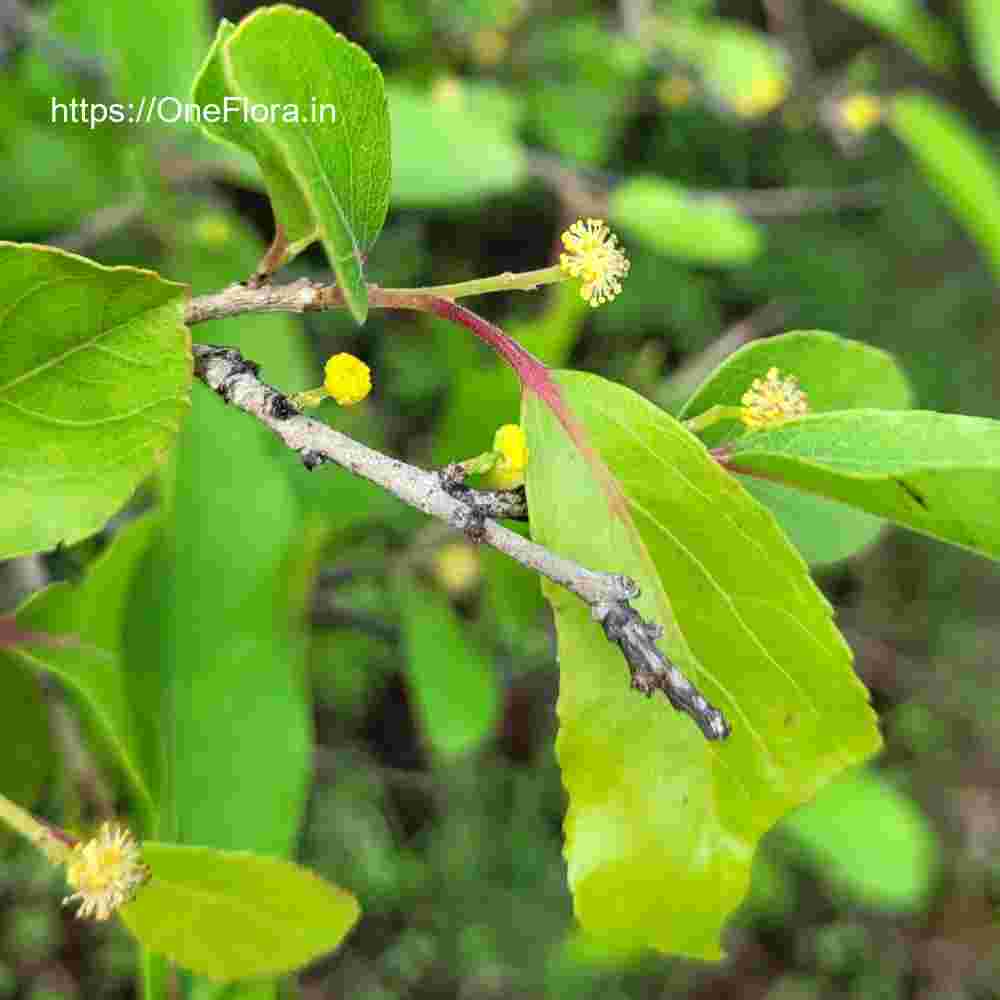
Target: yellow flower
{"x": 106, "y": 872}
{"x": 772, "y": 400}
{"x": 859, "y": 112}
{"x": 348, "y": 379}
{"x": 593, "y": 254}
{"x": 764, "y": 95}
{"x": 510, "y": 443}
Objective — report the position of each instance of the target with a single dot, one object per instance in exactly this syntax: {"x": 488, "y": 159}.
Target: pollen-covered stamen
{"x": 106, "y": 872}
{"x": 772, "y": 400}
{"x": 593, "y": 255}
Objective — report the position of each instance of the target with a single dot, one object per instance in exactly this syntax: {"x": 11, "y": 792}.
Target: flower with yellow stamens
{"x": 593, "y": 254}
{"x": 347, "y": 378}
{"x": 772, "y": 400}
{"x": 106, "y": 872}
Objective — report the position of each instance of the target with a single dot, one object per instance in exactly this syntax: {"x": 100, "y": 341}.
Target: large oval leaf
{"x": 936, "y": 473}
{"x": 662, "y": 825}
{"x": 234, "y": 915}
{"x": 836, "y": 374}
{"x": 95, "y": 370}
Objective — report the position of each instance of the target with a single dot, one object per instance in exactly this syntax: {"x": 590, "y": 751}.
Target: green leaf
{"x": 910, "y": 23}
{"x": 233, "y": 915}
{"x": 89, "y": 617}
{"x": 936, "y": 473}
{"x": 894, "y": 869}
{"x": 983, "y": 20}
{"x": 119, "y": 33}
{"x": 216, "y": 628}
{"x": 291, "y": 58}
{"x": 95, "y": 370}
{"x": 662, "y": 824}
{"x": 453, "y": 683}
{"x": 836, "y": 374}
{"x": 288, "y": 203}
{"x": 27, "y": 759}
{"x": 670, "y": 220}
{"x": 483, "y": 155}
{"x": 957, "y": 163}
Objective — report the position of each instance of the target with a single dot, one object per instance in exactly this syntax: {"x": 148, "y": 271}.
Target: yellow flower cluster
{"x": 772, "y": 400}
{"x": 347, "y": 379}
{"x": 106, "y": 872}
{"x": 593, "y": 254}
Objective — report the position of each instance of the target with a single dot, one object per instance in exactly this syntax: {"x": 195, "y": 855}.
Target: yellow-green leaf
{"x": 235, "y": 915}
{"x": 662, "y": 825}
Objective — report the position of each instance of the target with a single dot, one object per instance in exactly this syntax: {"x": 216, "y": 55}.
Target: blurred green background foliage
{"x": 766, "y": 174}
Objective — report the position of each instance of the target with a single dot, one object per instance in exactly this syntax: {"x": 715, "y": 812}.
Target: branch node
{"x": 312, "y": 459}
{"x": 652, "y": 671}
{"x": 281, "y": 408}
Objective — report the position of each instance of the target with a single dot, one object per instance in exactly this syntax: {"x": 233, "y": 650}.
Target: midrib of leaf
{"x": 46, "y": 418}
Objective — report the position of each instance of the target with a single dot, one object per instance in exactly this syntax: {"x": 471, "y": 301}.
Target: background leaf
{"x": 476, "y": 127}
{"x": 936, "y": 473}
{"x": 453, "y": 683}
{"x": 668, "y": 219}
{"x": 662, "y": 825}
{"x": 343, "y": 169}
{"x": 232, "y": 915}
{"x": 895, "y": 869}
{"x": 983, "y": 20}
{"x": 27, "y": 760}
{"x": 958, "y": 164}
{"x": 95, "y": 369}
{"x": 912, "y": 25}
{"x": 836, "y": 374}
{"x": 90, "y": 615}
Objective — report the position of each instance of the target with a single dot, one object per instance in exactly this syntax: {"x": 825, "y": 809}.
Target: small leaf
{"x": 234, "y": 915}
{"x": 910, "y": 23}
{"x": 88, "y": 618}
{"x": 291, "y": 58}
{"x": 894, "y": 869}
{"x": 662, "y": 825}
{"x": 484, "y": 157}
{"x": 836, "y": 374}
{"x": 453, "y": 683}
{"x": 958, "y": 165}
{"x": 667, "y": 218}
{"x": 288, "y": 203}
{"x": 95, "y": 371}
{"x": 936, "y": 473}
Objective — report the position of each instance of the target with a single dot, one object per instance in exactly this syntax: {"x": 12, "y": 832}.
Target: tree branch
{"x": 434, "y": 493}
